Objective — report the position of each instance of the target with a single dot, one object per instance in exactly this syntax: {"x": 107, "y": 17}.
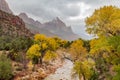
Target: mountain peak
{"x": 23, "y": 15}
{"x": 29, "y": 20}
{"x": 4, "y": 6}
{"x": 58, "y": 21}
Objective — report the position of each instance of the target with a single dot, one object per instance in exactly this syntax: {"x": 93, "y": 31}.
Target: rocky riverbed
{"x": 62, "y": 73}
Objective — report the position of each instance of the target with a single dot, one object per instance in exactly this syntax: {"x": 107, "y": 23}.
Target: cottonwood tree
{"x": 83, "y": 67}
{"x": 77, "y": 51}
{"x": 43, "y": 47}
{"x": 105, "y": 23}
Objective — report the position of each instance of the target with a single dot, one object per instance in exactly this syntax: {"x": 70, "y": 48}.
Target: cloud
{"x": 72, "y": 12}
{"x": 47, "y": 9}
{"x": 82, "y": 9}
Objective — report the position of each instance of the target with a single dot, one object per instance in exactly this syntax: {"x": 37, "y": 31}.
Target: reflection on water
{"x": 62, "y": 73}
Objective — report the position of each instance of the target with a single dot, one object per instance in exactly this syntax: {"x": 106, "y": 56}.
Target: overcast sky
{"x": 72, "y": 12}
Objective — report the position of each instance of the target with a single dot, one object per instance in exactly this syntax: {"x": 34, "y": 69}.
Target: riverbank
{"x": 62, "y": 73}
{"x": 40, "y": 72}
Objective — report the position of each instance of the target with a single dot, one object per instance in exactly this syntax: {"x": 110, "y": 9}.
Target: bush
{"x": 5, "y": 68}
{"x": 16, "y": 56}
{"x": 16, "y": 44}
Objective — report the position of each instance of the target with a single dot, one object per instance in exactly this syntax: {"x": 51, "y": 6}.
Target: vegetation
{"x": 96, "y": 59}
{"x": 5, "y": 68}
{"x": 83, "y": 65}
{"x": 105, "y": 50}
{"x": 104, "y": 21}
{"x": 78, "y": 52}
{"x": 9, "y": 43}
{"x": 43, "y": 48}
{"x": 16, "y": 47}
{"x": 84, "y": 69}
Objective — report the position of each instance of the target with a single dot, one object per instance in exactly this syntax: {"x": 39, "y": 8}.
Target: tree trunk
{"x": 83, "y": 76}
{"x": 79, "y": 77}
{"x": 41, "y": 60}
{"x": 41, "y": 57}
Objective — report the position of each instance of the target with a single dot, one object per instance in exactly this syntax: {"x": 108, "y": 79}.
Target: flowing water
{"x": 62, "y": 73}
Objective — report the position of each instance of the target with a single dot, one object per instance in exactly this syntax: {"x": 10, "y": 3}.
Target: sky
{"x": 72, "y": 12}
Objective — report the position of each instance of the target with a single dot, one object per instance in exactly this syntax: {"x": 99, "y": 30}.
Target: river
{"x": 62, "y": 73}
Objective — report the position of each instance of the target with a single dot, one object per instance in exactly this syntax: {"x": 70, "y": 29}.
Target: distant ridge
{"x": 4, "y": 6}
{"x": 13, "y": 26}
{"x": 56, "y": 27}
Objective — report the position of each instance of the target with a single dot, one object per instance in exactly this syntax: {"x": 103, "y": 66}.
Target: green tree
{"x": 5, "y": 68}
{"x": 117, "y": 69}
{"x": 114, "y": 56}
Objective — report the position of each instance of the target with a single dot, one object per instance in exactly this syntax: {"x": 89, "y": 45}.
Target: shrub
{"x": 5, "y": 68}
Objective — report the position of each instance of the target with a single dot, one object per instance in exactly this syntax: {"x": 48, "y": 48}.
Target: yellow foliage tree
{"x": 104, "y": 21}
{"x": 43, "y": 47}
{"x": 34, "y": 52}
{"x": 83, "y": 69}
{"x": 77, "y": 51}
{"x": 39, "y": 38}
{"x": 50, "y": 55}
{"x": 61, "y": 43}
{"x": 82, "y": 66}
{"x": 99, "y": 45}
